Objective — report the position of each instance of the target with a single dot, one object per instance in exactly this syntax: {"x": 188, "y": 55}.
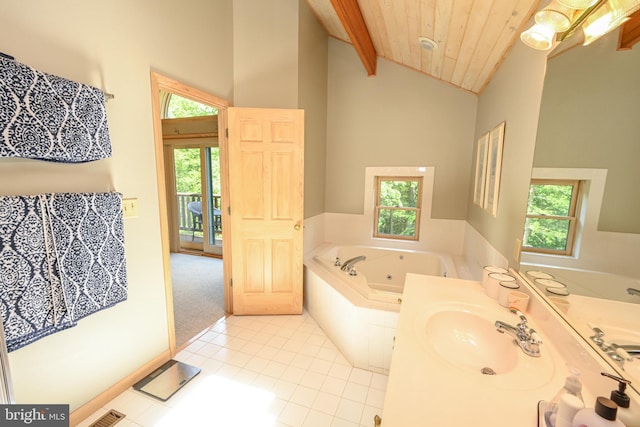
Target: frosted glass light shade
{"x": 608, "y": 16}
{"x": 538, "y": 37}
{"x": 554, "y": 19}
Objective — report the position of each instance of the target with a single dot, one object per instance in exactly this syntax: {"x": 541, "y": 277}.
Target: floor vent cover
{"x": 109, "y": 419}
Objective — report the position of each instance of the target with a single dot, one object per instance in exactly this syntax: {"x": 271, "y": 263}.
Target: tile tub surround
{"x": 361, "y": 320}
{"x": 268, "y": 371}
{"x": 362, "y": 329}
{"x": 380, "y": 275}
{"x": 470, "y": 250}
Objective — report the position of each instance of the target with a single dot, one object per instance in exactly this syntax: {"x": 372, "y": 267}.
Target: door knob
{"x": 296, "y": 227}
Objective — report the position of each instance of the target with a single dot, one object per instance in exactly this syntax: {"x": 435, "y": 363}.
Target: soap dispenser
{"x": 573, "y": 387}
{"x": 630, "y": 417}
{"x": 603, "y": 415}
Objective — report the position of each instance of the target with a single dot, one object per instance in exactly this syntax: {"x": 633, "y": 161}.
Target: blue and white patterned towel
{"x": 62, "y": 259}
{"x": 29, "y": 307}
{"x": 46, "y": 117}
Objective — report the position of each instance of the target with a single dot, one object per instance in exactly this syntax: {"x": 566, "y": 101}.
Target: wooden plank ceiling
{"x": 473, "y": 36}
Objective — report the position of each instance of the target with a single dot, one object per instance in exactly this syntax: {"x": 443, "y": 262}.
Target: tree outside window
{"x": 397, "y": 210}
{"x": 179, "y": 107}
{"x": 551, "y": 221}
{"x": 187, "y": 160}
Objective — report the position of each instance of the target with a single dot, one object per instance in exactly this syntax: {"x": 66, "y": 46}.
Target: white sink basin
{"x": 446, "y": 334}
{"x": 463, "y": 336}
{"x": 470, "y": 342}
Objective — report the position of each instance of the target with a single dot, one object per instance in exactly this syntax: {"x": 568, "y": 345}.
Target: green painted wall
{"x": 589, "y": 119}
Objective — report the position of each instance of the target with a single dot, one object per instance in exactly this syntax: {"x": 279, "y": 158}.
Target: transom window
{"x": 552, "y": 221}
{"x": 397, "y": 207}
{"x": 178, "y": 106}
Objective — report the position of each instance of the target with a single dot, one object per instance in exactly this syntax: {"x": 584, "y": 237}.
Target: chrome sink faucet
{"x": 527, "y": 338}
{"x": 348, "y": 264}
{"x": 619, "y": 353}
{"x": 633, "y": 291}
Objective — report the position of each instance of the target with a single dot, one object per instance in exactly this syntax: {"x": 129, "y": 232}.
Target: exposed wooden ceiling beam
{"x": 630, "y": 32}
{"x": 351, "y": 17}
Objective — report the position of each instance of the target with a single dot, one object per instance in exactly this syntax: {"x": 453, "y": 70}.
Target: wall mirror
{"x": 589, "y": 130}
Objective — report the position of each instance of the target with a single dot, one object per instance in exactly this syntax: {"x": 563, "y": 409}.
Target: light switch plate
{"x": 129, "y": 207}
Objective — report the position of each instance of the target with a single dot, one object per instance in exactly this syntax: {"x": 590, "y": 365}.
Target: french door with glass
{"x": 196, "y": 218}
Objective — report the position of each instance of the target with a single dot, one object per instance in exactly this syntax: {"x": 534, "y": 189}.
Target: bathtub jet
{"x": 381, "y": 271}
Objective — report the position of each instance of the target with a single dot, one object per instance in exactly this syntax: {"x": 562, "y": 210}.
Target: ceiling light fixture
{"x": 555, "y": 16}
{"x": 560, "y": 19}
{"x": 539, "y": 37}
{"x": 611, "y": 15}
{"x": 427, "y": 44}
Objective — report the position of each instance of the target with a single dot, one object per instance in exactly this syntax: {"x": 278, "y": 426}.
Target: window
{"x": 183, "y": 107}
{"x": 551, "y": 220}
{"x": 397, "y": 207}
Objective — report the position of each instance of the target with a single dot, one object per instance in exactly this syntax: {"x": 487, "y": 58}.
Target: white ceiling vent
{"x": 427, "y": 44}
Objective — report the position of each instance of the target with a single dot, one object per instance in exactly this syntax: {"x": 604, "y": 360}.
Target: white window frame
{"x": 572, "y": 216}
{"x": 593, "y": 194}
{"x": 426, "y": 172}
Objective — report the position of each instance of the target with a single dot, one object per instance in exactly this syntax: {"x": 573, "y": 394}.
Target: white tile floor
{"x": 262, "y": 371}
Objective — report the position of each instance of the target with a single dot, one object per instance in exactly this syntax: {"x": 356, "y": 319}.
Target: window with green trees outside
{"x": 551, "y": 221}
{"x": 182, "y": 107}
{"x": 397, "y": 210}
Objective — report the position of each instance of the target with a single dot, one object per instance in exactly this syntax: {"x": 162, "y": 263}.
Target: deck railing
{"x": 186, "y": 219}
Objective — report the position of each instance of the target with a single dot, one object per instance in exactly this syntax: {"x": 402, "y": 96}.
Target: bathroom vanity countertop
{"x": 423, "y": 389}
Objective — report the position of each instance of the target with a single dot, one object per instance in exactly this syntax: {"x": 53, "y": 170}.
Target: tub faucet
{"x": 528, "y": 339}
{"x": 598, "y": 338}
{"x": 633, "y": 291}
{"x": 348, "y": 264}
{"x": 632, "y": 349}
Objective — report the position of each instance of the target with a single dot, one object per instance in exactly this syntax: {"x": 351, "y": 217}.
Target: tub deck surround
{"x": 423, "y": 385}
{"x": 363, "y": 333}
{"x": 381, "y": 276}
{"x": 360, "y": 313}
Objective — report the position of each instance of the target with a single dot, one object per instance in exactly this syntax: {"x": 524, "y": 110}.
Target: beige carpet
{"x": 198, "y": 294}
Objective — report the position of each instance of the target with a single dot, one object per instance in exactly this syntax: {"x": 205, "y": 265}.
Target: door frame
{"x": 160, "y": 82}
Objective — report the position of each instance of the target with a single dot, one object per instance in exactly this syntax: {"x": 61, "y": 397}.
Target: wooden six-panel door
{"x": 266, "y": 181}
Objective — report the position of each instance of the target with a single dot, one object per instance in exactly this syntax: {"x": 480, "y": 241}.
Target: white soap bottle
{"x": 568, "y": 407}
{"x": 573, "y": 387}
{"x": 603, "y": 415}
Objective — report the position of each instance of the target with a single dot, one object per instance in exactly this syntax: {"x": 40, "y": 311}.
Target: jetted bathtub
{"x": 381, "y": 276}
{"x": 360, "y": 313}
